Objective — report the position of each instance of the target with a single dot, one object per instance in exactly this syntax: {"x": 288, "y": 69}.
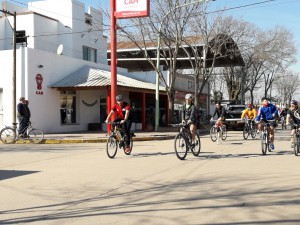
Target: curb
{"x": 100, "y": 140}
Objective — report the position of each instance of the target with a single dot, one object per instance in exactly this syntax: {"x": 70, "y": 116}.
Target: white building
{"x": 62, "y": 67}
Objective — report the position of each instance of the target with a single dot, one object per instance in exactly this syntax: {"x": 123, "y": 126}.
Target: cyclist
{"x": 250, "y": 112}
{"x": 283, "y": 114}
{"x": 291, "y": 115}
{"x": 220, "y": 112}
{"x": 123, "y": 112}
{"x": 266, "y": 112}
{"x": 188, "y": 115}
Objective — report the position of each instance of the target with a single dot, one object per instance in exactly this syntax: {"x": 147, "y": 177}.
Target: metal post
{"x": 158, "y": 62}
{"x": 113, "y": 56}
{"x": 14, "y": 79}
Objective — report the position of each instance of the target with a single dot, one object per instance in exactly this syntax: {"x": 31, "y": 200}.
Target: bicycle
{"x": 10, "y": 134}
{"x": 296, "y": 127}
{"x": 218, "y": 133}
{"x": 183, "y": 142}
{"x": 116, "y": 139}
{"x": 249, "y": 129}
{"x": 283, "y": 122}
{"x": 265, "y": 137}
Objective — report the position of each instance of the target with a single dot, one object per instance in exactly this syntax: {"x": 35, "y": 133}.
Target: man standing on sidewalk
{"x": 23, "y": 114}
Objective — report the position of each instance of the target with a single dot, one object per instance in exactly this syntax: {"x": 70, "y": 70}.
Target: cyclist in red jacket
{"x": 123, "y": 112}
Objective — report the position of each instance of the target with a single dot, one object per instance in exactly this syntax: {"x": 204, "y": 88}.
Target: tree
{"x": 143, "y": 32}
{"x": 287, "y": 86}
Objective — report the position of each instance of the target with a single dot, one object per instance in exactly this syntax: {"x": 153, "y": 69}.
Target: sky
{"x": 265, "y": 14}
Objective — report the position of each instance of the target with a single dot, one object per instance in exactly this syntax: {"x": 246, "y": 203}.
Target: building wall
{"x": 45, "y": 108}
{"x": 63, "y": 23}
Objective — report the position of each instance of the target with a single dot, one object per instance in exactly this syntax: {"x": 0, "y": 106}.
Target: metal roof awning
{"x": 87, "y": 77}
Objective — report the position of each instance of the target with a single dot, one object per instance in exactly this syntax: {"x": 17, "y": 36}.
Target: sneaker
{"x": 272, "y": 147}
{"x": 127, "y": 149}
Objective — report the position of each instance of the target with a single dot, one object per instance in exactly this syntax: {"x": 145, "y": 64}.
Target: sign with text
{"x": 132, "y": 8}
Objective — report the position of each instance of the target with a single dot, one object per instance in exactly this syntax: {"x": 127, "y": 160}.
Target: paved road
{"x": 230, "y": 183}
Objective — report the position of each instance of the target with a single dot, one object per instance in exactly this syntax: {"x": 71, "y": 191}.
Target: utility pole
{"x": 14, "y": 75}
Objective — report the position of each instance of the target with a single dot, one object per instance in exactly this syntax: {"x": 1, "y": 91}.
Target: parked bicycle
{"x": 249, "y": 129}
{"x": 116, "y": 139}
{"x": 183, "y": 142}
{"x": 265, "y": 137}
{"x": 10, "y": 134}
{"x": 218, "y": 133}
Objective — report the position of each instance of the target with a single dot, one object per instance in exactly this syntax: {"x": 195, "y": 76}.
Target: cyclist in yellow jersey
{"x": 250, "y": 112}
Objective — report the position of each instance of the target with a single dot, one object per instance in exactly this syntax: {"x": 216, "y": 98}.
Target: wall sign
{"x": 39, "y": 82}
{"x": 132, "y": 8}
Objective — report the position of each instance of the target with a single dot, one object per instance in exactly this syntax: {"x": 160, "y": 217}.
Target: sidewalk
{"x": 100, "y": 136}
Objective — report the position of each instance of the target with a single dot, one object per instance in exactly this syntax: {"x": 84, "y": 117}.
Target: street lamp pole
{"x": 158, "y": 60}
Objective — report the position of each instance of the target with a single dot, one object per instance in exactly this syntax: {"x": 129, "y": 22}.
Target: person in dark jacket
{"x": 220, "y": 112}
{"x": 23, "y": 115}
{"x": 188, "y": 115}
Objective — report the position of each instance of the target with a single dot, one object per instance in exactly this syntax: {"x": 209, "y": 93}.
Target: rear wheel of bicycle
{"x": 180, "y": 147}
{"x": 224, "y": 133}
{"x": 196, "y": 150}
{"x": 296, "y": 144}
{"x": 213, "y": 134}
{"x": 35, "y": 136}
{"x": 264, "y": 143}
{"x": 131, "y": 145}
{"x": 8, "y": 135}
{"x": 111, "y": 146}
{"x": 245, "y": 132}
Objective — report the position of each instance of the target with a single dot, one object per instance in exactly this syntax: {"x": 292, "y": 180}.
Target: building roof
{"x": 133, "y": 58}
{"x": 88, "y": 76}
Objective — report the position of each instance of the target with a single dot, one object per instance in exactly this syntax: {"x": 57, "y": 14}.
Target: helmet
{"x": 189, "y": 96}
{"x": 249, "y": 105}
{"x": 119, "y": 98}
{"x": 294, "y": 102}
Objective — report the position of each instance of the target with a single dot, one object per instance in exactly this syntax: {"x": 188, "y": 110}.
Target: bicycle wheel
{"x": 264, "y": 143}
{"x": 213, "y": 134}
{"x": 8, "y": 135}
{"x": 245, "y": 132}
{"x": 35, "y": 136}
{"x": 253, "y": 132}
{"x": 131, "y": 145}
{"x": 197, "y": 148}
{"x": 180, "y": 147}
{"x": 224, "y": 133}
{"x": 111, "y": 146}
{"x": 296, "y": 144}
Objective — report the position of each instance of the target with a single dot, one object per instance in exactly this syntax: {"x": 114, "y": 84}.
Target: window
{"x": 68, "y": 107}
{"x": 89, "y": 54}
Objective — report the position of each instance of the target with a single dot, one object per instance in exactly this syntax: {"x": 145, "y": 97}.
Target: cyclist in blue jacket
{"x": 266, "y": 112}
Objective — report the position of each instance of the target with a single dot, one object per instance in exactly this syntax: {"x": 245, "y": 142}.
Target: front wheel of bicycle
{"x": 35, "y": 136}
{"x": 296, "y": 144}
{"x": 111, "y": 146}
{"x": 197, "y": 146}
{"x": 253, "y": 132}
{"x": 8, "y": 135}
{"x": 131, "y": 145}
{"x": 213, "y": 134}
{"x": 264, "y": 143}
{"x": 224, "y": 133}
{"x": 180, "y": 146}
{"x": 245, "y": 132}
